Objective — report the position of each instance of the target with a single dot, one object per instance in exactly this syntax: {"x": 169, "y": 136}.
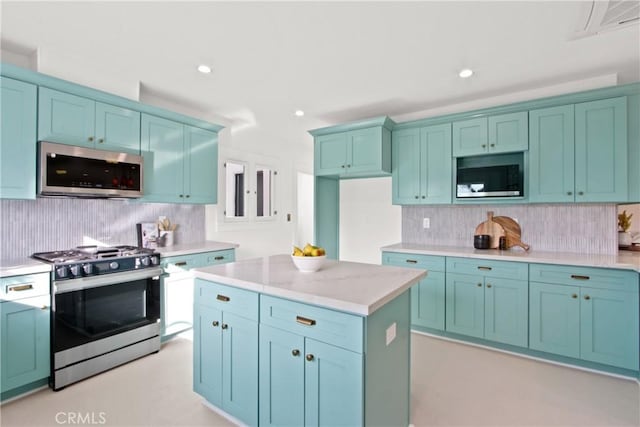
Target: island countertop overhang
{"x": 351, "y": 287}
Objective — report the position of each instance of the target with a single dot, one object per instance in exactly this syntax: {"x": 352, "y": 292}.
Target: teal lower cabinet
{"x": 427, "y": 297}
{"x": 24, "y": 333}
{"x": 590, "y": 314}
{"x": 176, "y": 288}
{"x": 225, "y": 349}
{"x": 492, "y": 303}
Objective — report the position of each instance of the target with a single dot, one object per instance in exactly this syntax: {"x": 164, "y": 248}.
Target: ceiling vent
{"x": 598, "y": 16}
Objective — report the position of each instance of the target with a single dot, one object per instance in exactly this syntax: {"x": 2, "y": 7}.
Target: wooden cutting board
{"x": 512, "y": 231}
{"x": 492, "y": 228}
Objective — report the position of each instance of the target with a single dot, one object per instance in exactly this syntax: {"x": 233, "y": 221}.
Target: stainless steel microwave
{"x": 489, "y": 181}
{"x": 65, "y": 170}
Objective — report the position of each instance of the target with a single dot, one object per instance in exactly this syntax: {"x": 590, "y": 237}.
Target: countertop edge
{"x": 195, "y": 248}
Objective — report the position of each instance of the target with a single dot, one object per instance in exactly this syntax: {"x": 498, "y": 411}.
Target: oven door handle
{"x": 79, "y": 284}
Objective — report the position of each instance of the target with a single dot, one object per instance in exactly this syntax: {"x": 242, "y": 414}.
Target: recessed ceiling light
{"x": 465, "y": 73}
{"x": 299, "y": 113}
{"x": 204, "y": 69}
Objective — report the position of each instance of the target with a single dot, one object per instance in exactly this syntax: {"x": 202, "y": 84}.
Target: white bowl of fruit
{"x": 309, "y": 259}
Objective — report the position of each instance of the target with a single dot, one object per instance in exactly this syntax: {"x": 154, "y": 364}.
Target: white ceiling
{"x": 337, "y": 61}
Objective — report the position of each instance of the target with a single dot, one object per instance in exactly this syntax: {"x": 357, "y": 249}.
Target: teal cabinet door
{"x": 201, "y": 169}
{"x": 470, "y": 137}
{"x": 601, "y": 151}
{"x": 551, "y": 154}
{"x": 609, "y": 327}
{"x": 506, "y": 311}
{"x": 18, "y": 118}
{"x": 331, "y": 154}
{"x": 436, "y": 180}
{"x": 465, "y": 304}
{"x": 117, "y": 129}
{"x": 65, "y": 118}
{"x": 24, "y": 346}
{"x": 405, "y": 170}
{"x": 508, "y": 133}
{"x": 427, "y": 301}
{"x": 207, "y": 353}
{"x": 363, "y": 152}
{"x": 281, "y": 373}
{"x": 554, "y": 319}
{"x": 240, "y": 367}
{"x": 333, "y": 389}
{"x": 162, "y": 149}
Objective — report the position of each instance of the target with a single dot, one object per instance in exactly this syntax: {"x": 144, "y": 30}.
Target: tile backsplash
{"x": 582, "y": 228}
{"x": 46, "y": 224}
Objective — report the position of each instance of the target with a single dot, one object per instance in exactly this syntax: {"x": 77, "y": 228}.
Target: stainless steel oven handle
{"x": 79, "y": 284}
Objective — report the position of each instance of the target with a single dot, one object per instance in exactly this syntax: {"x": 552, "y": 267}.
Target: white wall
{"x": 368, "y": 220}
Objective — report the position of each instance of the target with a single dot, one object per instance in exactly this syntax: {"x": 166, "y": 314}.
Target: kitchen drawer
{"x": 427, "y": 262}
{"x": 176, "y": 264}
{"x": 604, "y": 278}
{"x": 17, "y": 287}
{"x": 490, "y": 268}
{"x": 218, "y": 257}
{"x": 326, "y": 325}
{"x": 227, "y": 298}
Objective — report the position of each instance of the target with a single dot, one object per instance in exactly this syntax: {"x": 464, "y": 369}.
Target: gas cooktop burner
{"x": 90, "y": 253}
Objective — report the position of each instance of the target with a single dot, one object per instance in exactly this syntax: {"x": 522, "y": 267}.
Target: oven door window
{"x": 91, "y": 314}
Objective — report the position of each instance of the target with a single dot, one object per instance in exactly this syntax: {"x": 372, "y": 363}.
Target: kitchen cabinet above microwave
{"x": 502, "y": 133}
{"x": 76, "y": 120}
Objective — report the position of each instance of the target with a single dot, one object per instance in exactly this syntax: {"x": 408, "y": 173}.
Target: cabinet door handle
{"x": 90, "y": 139}
{"x": 182, "y": 195}
{"x": 579, "y": 277}
{"x": 222, "y": 298}
{"x": 343, "y": 166}
{"x": 574, "y": 296}
{"x": 580, "y": 193}
{"x": 225, "y": 326}
{"x": 305, "y": 321}
{"x": 215, "y": 323}
{"x": 412, "y": 261}
{"x": 309, "y": 357}
{"x": 295, "y": 352}
{"x": 569, "y": 193}
{"x": 424, "y": 197}
{"x": 101, "y": 140}
{"x": 587, "y": 297}
{"x": 348, "y": 166}
{"x": 479, "y": 285}
{"x": 20, "y": 287}
{"x": 180, "y": 263}
{"x": 417, "y": 197}
{"x": 218, "y": 258}
{"x": 488, "y": 285}
{"x": 493, "y": 145}
{"x": 484, "y": 145}
{"x": 483, "y": 268}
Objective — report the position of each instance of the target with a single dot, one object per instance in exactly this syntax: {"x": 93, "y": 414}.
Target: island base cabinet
{"x": 207, "y": 349}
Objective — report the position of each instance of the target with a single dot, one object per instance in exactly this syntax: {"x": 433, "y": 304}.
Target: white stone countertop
{"x": 626, "y": 260}
{"x": 20, "y": 266}
{"x": 345, "y": 286}
{"x": 194, "y": 248}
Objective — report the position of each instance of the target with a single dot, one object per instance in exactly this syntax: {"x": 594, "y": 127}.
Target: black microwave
{"x": 475, "y": 181}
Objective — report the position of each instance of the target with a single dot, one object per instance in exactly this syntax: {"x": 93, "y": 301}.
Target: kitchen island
{"x": 274, "y": 346}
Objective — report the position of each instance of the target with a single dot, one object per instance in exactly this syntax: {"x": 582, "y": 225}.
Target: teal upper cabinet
{"x": 494, "y": 134}
{"x": 421, "y": 165}
{"x": 75, "y": 120}
{"x": 17, "y": 139}
{"x": 180, "y": 162}
{"x": 579, "y": 152}
{"x": 354, "y": 151}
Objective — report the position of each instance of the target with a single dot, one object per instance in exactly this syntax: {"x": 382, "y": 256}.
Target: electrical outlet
{"x": 426, "y": 223}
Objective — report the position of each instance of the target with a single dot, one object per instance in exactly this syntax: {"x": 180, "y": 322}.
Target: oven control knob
{"x": 88, "y": 269}
{"x": 145, "y": 261}
{"x": 62, "y": 271}
{"x": 114, "y": 265}
{"x": 75, "y": 270}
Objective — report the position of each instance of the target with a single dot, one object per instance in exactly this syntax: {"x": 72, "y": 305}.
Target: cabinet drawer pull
{"x": 222, "y": 298}
{"x": 218, "y": 258}
{"x": 412, "y": 261}
{"x": 483, "y": 268}
{"x": 180, "y": 263}
{"x": 579, "y": 277}
{"x": 305, "y": 321}
{"x": 21, "y": 287}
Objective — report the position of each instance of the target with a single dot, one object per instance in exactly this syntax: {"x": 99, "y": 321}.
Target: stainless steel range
{"x": 105, "y": 309}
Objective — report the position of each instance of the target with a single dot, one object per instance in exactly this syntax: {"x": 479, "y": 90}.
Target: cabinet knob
{"x": 215, "y": 323}
{"x": 309, "y": 357}
{"x": 348, "y": 166}
{"x": 342, "y": 166}
{"x": 580, "y": 193}
{"x": 488, "y": 285}
{"x": 574, "y": 296}
{"x": 417, "y": 197}
{"x": 101, "y": 140}
{"x": 479, "y": 285}
{"x": 295, "y": 352}
{"x": 493, "y": 145}
{"x": 188, "y": 195}
{"x": 225, "y": 326}
{"x": 182, "y": 195}
{"x": 424, "y": 197}
{"x": 587, "y": 297}
{"x": 484, "y": 145}
{"x": 569, "y": 193}
{"x": 90, "y": 139}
